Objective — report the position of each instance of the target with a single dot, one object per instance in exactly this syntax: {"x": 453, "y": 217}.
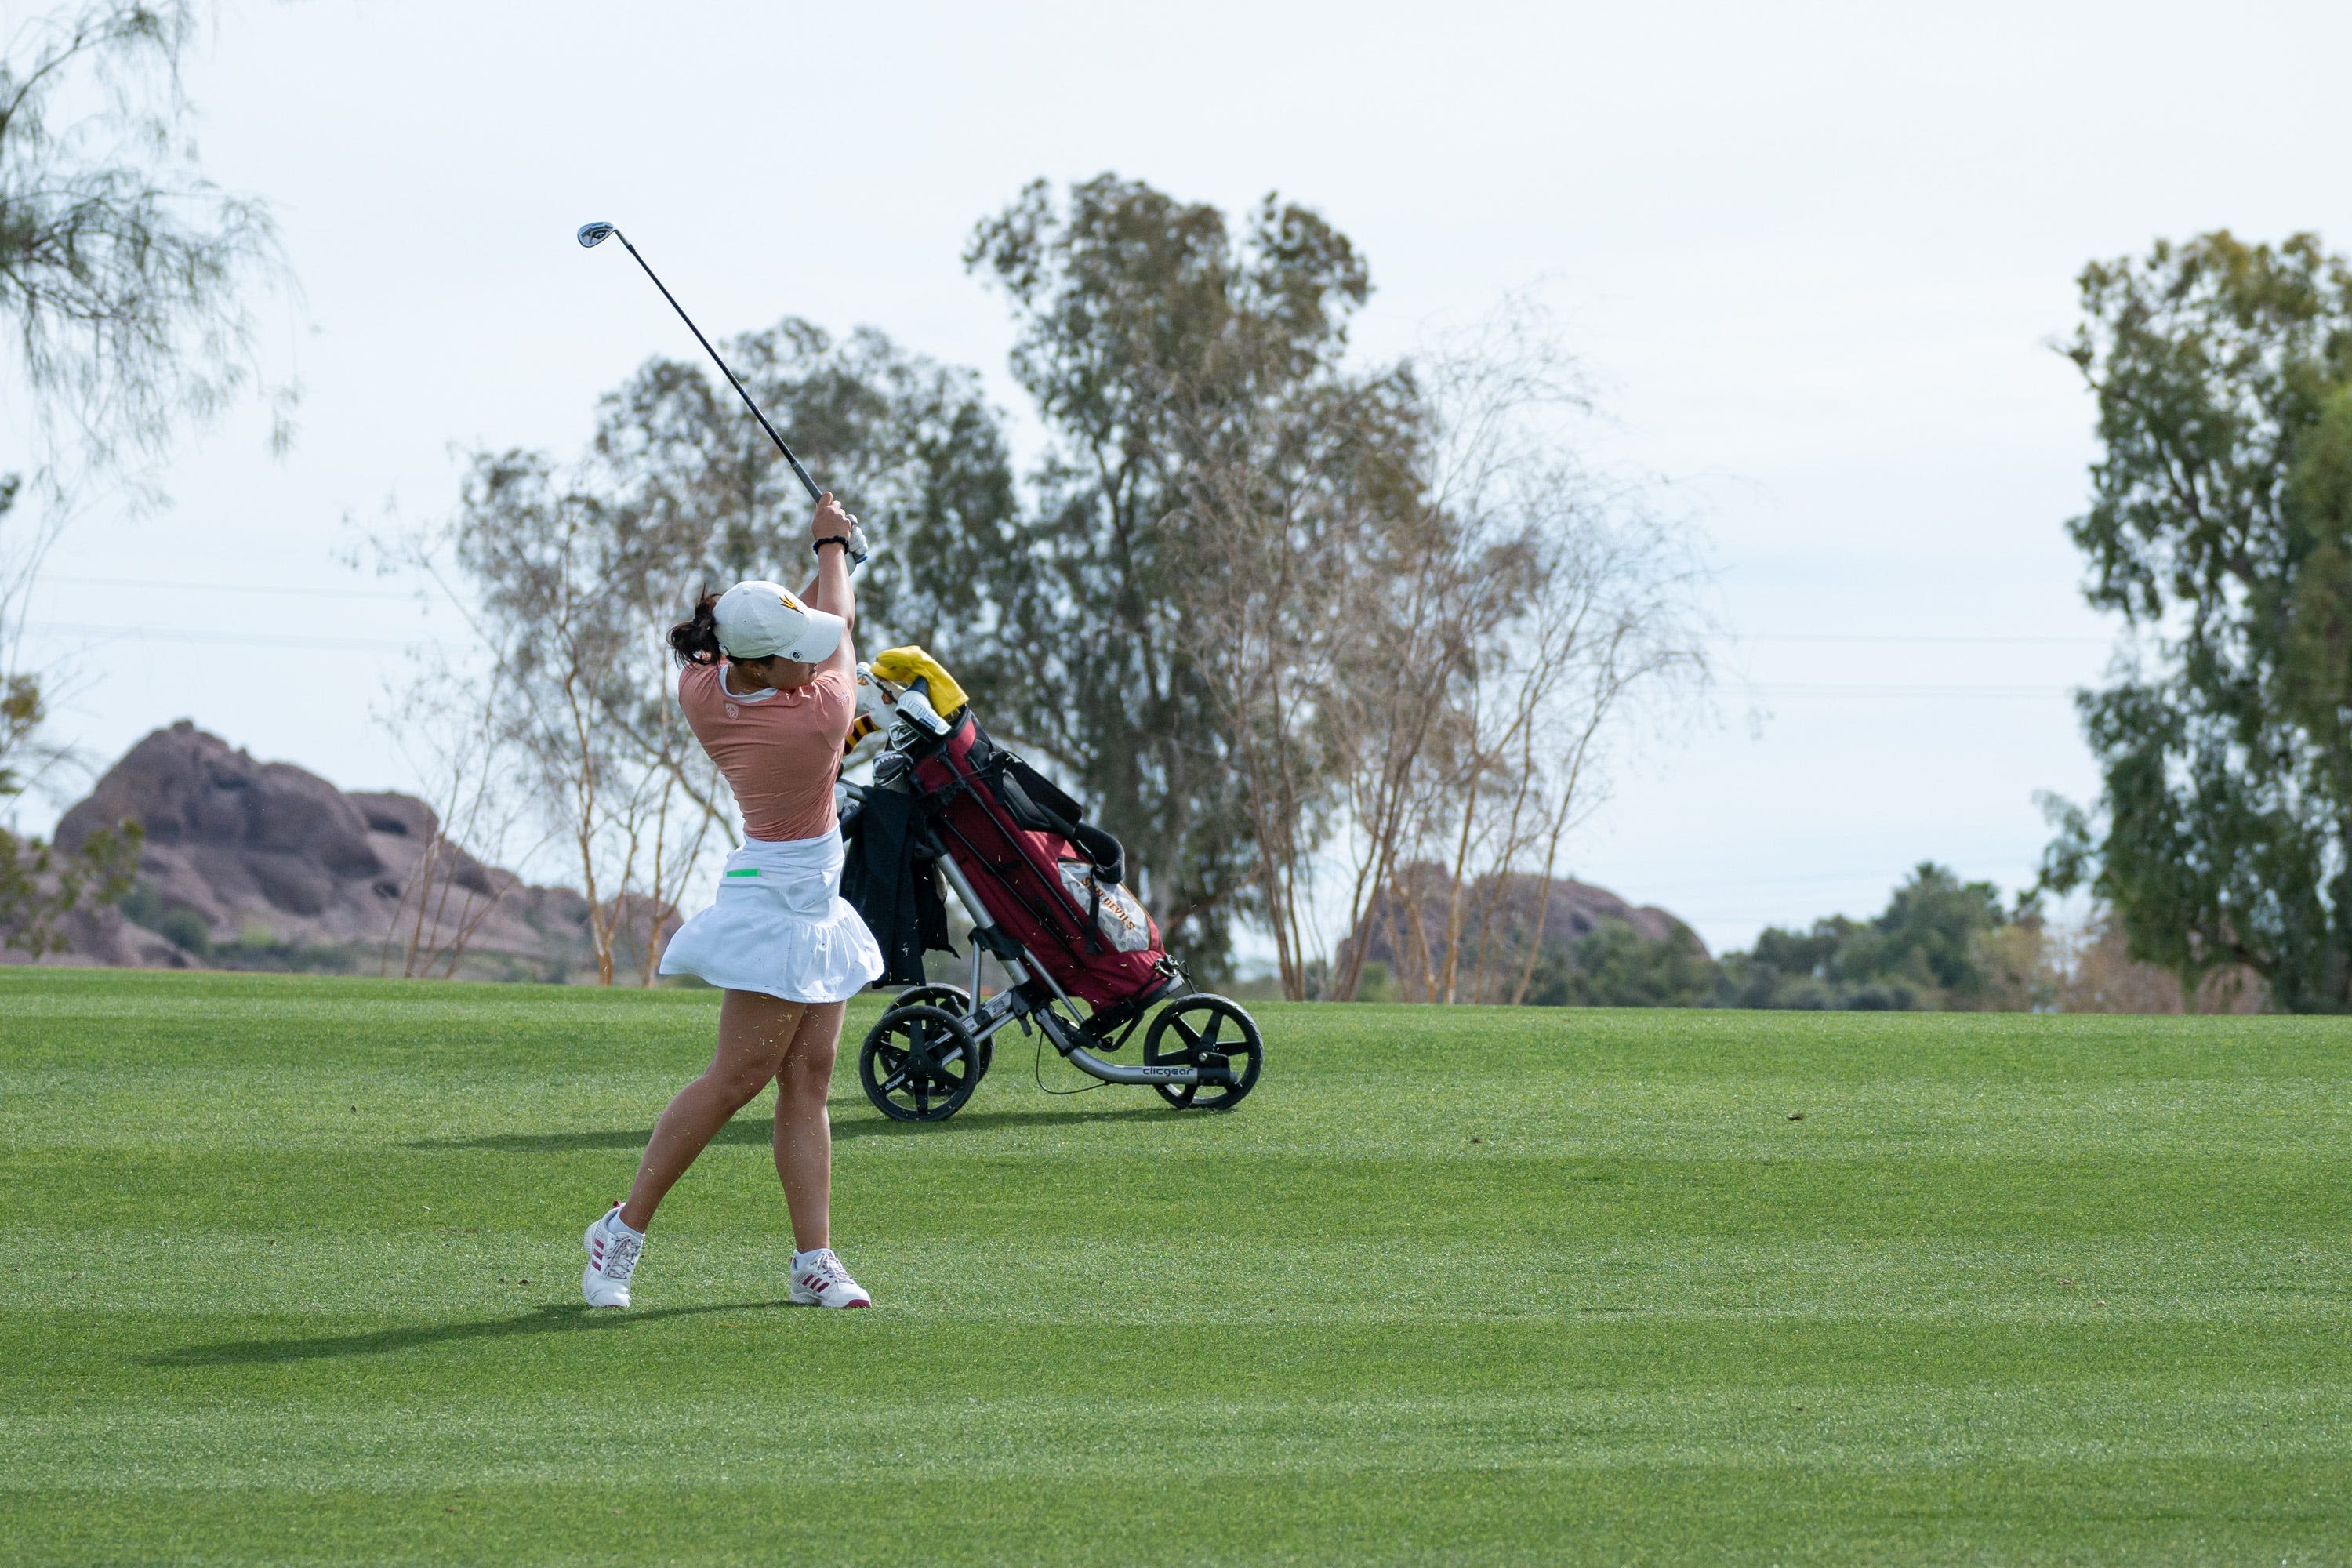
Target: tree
{"x": 690, "y": 496}
{"x": 1940, "y": 942}
{"x": 1808, "y": 958}
{"x": 577, "y": 702}
{"x": 1521, "y": 606}
{"x": 2221, "y": 529}
{"x": 449, "y": 726}
{"x": 123, "y": 277}
{"x": 123, "y": 272}
{"x": 1617, "y": 966}
{"x": 22, "y": 708}
{"x": 1306, "y": 524}
{"x": 2091, "y": 970}
{"x": 1150, "y": 338}
{"x": 1926, "y": 935}
{"x": 41, "y": 886}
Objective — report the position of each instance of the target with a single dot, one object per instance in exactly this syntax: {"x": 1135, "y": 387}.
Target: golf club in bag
{"x": 591, "y": 234}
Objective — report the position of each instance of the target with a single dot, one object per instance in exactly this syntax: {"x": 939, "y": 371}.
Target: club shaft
{"x": 807, "y": 483}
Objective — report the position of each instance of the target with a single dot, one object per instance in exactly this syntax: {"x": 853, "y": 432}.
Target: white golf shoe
{"x": 820, "y": 1280}
{"x": 612, "y": 1258}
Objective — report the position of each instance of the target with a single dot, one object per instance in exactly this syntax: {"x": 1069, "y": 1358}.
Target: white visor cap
{"x": 762, "y": 620}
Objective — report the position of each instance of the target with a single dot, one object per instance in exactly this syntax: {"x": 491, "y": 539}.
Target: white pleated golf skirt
{"x": 781, "y": 927}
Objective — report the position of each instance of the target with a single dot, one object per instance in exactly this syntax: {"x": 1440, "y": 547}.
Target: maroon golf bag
{"x": 1051, "y": 878}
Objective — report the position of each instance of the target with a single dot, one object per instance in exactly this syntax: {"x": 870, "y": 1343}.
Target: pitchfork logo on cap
{"x": 760, "y": 619}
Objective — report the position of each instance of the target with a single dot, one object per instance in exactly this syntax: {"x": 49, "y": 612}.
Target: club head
{"x": 596, "y": 233}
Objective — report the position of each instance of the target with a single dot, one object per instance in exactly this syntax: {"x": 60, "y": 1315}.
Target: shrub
{"x": 183, "y": 929}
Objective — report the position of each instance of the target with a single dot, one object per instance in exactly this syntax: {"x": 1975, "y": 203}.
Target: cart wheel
{"x": 1198, "y": 1030}
{"x": 949, "y": 999}
{"x": 918, "y": 1064}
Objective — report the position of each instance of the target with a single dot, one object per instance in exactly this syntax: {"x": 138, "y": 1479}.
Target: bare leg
{"x": 754, "y": 1033}
{"x": 803, "y": 1131}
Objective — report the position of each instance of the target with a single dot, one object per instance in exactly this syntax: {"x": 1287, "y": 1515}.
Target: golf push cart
{"x": 1042, "y": 887}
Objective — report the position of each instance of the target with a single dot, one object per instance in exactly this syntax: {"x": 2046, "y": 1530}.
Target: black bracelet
{"x": 841, "y": 540}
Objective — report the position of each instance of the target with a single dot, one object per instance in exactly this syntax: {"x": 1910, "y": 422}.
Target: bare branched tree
{"x": 528, "y": 561}
{"x": 682, "y": 818}
{"x": 1292, "y": 505}
{"x": 1614, "y": 622}
{"x": 534, "y": 550}
{"x": 448, "y": 722}
{"x": 1389, "y": 707}
{"x": 1542, "y": 601}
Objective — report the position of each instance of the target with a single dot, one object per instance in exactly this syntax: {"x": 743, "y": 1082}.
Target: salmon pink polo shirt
{"x": 778, "y": 750}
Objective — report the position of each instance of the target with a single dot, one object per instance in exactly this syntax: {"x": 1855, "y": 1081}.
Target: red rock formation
{"x": 255, "y": 848}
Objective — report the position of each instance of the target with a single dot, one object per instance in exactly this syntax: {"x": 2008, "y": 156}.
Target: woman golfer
{"x": 768, "y": 689}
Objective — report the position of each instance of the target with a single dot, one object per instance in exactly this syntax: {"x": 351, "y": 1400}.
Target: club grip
{"x": 801, "y": 474}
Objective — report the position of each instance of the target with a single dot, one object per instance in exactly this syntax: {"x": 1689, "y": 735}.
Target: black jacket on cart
{"x": 894, "y": 886}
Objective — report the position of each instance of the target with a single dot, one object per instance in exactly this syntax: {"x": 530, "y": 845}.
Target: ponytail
{"x": 696, "y": 641}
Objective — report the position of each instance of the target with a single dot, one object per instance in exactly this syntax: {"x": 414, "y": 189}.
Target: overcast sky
{"x": 1814, "y": 256}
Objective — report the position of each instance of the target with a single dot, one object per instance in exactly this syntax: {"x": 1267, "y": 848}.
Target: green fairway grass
{"x": 291, "y": 1273}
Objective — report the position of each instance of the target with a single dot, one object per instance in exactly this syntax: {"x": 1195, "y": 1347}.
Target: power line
{"x": 1870, "y": 873}
{"x": 228, "y": 639}
{"x": 285, "y": 589}
{"x": 1923, "y": 692}
{"x": 1970, "y": 639}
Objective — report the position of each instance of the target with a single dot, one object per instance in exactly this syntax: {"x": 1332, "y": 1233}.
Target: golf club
{"x": 596, "y": 233}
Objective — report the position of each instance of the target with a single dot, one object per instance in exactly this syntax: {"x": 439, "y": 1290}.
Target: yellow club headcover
{"x": 902, "y": 666}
